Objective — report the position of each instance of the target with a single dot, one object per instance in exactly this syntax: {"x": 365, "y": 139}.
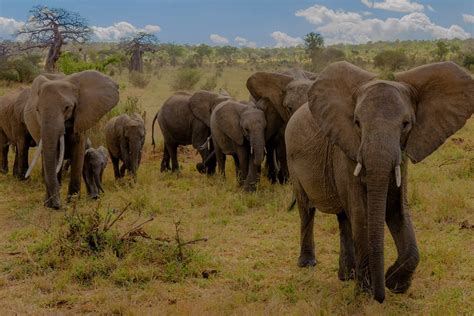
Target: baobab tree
{"x": 52, "y": 28}
{"x": 136, "y": 46}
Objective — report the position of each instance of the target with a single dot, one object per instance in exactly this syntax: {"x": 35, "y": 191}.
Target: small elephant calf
{"x": 125, "y": 136}
{"x": 95, "y": 161}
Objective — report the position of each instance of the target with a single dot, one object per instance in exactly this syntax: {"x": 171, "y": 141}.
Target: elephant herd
{"x": 342, "y": 137}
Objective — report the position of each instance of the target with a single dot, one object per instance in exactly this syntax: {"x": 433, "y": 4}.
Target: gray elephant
{"x": 95, "y": 161}
{"x": 57, "y": 114}
{"x": 279, "y": 95}
{"x": 238, "y": 129}
{"x": 125, "y": 136}
{"x": 347, "y": 155}
{"x": 184, "y": 119}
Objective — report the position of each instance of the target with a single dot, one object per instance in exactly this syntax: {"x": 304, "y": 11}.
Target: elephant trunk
{"x": 52, "y": 136}
{"x": 134, "y": 156}
{"x": 257, "y": 147}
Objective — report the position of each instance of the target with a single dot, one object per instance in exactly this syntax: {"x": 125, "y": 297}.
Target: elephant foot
{"x": 250, "y": 187}
{"x": 346, "y": 273}
{"x": 4, "y": 171}
{"x": 397, "y": 279}
{"x": 201, "y": 167}
{"x": 306, "y": 261}
{"x": 53, "y": 202}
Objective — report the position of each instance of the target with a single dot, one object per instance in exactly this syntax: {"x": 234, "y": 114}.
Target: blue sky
{"x": 262, "y": 22}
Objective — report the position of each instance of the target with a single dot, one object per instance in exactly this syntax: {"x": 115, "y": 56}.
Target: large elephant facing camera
{"x": 347, "y": 155}
{"x": 57, "y": 114}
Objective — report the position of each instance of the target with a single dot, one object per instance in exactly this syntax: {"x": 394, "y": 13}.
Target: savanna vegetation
{"x": 189, "y": 243}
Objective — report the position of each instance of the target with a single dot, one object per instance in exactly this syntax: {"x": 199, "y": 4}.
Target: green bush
{"x": 70, "y": 63}
{"x": 210, "y": 84}
{"x": 186, "y": 79}
{"x": 22, "y": 68}
{"x": 390, "y": 60}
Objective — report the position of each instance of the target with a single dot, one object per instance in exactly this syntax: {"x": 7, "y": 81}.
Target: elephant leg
{"x": 243, "y": 155}
{"x": 346, "y": 255}
{"x": 16, "y": 163}
{"x": 77, "y": 162}
{"x": 270, "y": 162}
{"x": 238, "y": 175}
{"x": 211, "y": 163}
{"x": 399, "y": 275}
{"x": 23, "y": 148}
{"x": 173, "y": 152}
{"x": 251, "y": 180}
{"x": 361, "y": 242}
{"x": 307, "y": 257}
{"x": 123, "y": 169}
{"x": 115, "y": 164}
{"x": 220, "y": 157}
{"x": 283, "y": 173}
{"x": 165, "y": 162}
{"x": 4, "y": 153}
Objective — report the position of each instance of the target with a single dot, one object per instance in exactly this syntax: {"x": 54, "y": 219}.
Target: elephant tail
{"x": 153, "y": 131}
{"x": 98, "y": 182}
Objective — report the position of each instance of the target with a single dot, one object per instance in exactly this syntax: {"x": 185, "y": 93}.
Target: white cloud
{"x": 351, "y": 27}
{"x": 119, "y": 30}
{"x": 285, "y": 40}
{"x": 245, "y": 42}
{"x": 217, "y": 39}
{"x": 430, "y": 8}
{"x": 468, "y": 18}
{"x": 395, "y": 5}
{"x": 8, "y": 27}
{"x": 366, "y": 13}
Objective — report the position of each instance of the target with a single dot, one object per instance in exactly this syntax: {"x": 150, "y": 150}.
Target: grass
{"x": 252, "y": 240}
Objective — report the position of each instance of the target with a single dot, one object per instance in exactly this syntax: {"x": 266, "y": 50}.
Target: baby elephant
{"x": 125, "y": 136}
{"x": 95, "y": 161}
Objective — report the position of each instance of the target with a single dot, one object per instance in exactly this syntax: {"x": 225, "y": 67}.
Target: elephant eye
{"x": 406, "y": 124}
{"x": 357, "y": 123}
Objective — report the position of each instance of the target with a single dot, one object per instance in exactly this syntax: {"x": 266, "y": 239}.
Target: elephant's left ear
{"x": 98, "y": 94}
{"x": 445, "y": 101}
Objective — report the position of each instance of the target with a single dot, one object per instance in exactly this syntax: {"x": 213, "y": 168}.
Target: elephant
{"x": 238, "y": 129}
{"x": 184, "y": 119}
{"x": 58, "y": 113}
{"x": 279, "y": 95}
{"x": 125, "y": 136}
{"x": 95, "y": 161}
{"x": 348, "y": 150}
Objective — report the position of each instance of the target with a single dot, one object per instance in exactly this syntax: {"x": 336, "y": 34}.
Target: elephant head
{"x": 202, "y": 103}
{"x": 65, "y": 105}
{"x": 242, "y": 122}
{"x": 285, "y": 92}
{"x": 374, "y": 122}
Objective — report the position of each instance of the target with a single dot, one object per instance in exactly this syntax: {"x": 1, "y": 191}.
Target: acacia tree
{"x": 53, "y": 28}
{"x": 313, "y": 43}
{"x": 202, "y": 51}
{"x": 136, "y": 46}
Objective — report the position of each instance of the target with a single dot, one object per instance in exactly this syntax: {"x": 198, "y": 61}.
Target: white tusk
{"x": 35, "y": 158}
{"x": 357, "y": 169}
{"x": 61, "y": 154}
{"x": 251, "y": 150}
{"x": 265, "y": 150}
{"x": 209, "y": 143}
{"x": 398, "y": 176}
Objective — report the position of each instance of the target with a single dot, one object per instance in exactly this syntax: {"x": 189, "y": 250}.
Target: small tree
{"x": 136, "y": 46}
{"x": 202, "y": 51}
{"x": 314, "y": 44}
{"x": 227, "y": 52}
{"x": 52, "y": 28}
{"x": 441, "y": 50}
{"x": 174, "y": 51}
{"x": 390, "y": 60}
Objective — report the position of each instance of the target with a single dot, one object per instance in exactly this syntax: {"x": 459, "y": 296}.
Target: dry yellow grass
{"x": 253, "y": 240}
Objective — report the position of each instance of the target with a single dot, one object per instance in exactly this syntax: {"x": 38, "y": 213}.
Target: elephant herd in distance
{"x": 342, "y": 137}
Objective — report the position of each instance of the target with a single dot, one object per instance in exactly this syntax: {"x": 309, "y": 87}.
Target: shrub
{"x": 186, "y": 79}
{"x": 138, "y": 80}
{"x": 210, "y": 84}
{"x": 390, "y": 60}
{"x": 468, "y": 61}
{"x": 22, "y": 68}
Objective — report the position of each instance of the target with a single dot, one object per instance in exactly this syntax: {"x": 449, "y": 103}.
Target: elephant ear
{"x": 272, "y": 86}
{"x": 445, "y": 101}
{"x": 311, "y": 75}
{"x": 228, "y": 120}
{"x": 30, "y": 113}
{"x": 332, "y": 100}
{"x": 201, "y": 105}
{"x": 98, "y": 94}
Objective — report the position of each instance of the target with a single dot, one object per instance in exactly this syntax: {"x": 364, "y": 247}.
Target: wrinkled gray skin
{"x": 95, "y": 161}
{"x": 352, "y": 118}
{"x": 66, "y": 106}
{"x": 13, "y": 132}
{"x": 184, "y": 119}
{"x": 279, "y": 95}
{"x": 125, "y": 136}
{"x": 238, "y": 129}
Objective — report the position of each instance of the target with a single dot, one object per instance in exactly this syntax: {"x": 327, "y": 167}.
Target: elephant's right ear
{"x": 270, "y": 85}
{"x": 332, "y": 103}
{"x": 201, "y": 104}
{"x": 98, "y": 94}
{"x": 228, "y": 120}
{"x": 31, "y": 109}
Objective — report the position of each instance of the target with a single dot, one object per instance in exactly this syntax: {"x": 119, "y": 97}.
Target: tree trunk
{"x": 54, "y": 52}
